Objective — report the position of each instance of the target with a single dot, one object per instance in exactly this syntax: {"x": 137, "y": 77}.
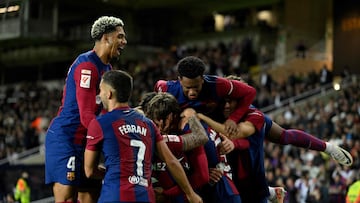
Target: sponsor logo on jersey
{"x": 85, "y": 78}
{"x": 138, "y": 180}
{"x": 90, "y": 137}
{"x": 173, "y": 138}
{"x": 85, "y": 81}
{"x": 84, "y": 71}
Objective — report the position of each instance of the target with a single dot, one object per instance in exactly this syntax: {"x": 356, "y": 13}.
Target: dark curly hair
{"x": 191, "y": 67}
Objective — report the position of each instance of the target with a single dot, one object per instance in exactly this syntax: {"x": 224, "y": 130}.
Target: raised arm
{"x": 218, "y": 127}
{"x": 244, "y": 129}
{"x": 197, "y": 136}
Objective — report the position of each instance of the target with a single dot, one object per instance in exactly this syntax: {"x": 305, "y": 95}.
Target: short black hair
{"x": 121, "y": 81}
{"x": 191, "y": 67}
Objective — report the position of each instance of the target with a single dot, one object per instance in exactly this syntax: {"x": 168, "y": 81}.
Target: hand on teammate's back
{"x": 230, "y": 127}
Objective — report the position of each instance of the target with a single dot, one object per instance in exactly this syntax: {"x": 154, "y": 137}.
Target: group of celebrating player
{"x": 194, "y": 139}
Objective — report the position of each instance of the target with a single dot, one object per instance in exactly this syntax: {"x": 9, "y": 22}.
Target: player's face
{"x": 117, "y": 41}
{"x": 191, "y": 87}
{"x": 229, "y": 107}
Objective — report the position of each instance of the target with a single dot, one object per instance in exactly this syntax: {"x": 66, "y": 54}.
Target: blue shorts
{"x": 63, "y": 160}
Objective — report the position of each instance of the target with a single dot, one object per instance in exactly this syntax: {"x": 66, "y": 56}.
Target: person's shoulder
{"x": 166, "y": 85}
{"x": 82, "y": 59}
{"x": 166, "y": 82}
{"x": 213, "y": 79}
{"x": 85, "y": 55}
{"x": 160, "y": 83}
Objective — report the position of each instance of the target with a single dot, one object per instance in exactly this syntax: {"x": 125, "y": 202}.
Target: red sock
{"x": 302, "y": 139}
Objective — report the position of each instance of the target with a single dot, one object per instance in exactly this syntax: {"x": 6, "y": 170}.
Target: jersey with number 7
{"x": 127, "y": 140}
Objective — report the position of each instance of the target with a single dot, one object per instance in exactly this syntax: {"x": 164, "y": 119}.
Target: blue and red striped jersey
{"x": 127, "y": 140}
{"x": 213, "y": 91}
{"x": 78, "y": 104}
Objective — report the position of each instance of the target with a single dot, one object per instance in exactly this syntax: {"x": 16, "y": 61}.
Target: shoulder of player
{"x": 171, "y": 86}
{"x": 215, "y": 80}
{"x": 167, "y": 82}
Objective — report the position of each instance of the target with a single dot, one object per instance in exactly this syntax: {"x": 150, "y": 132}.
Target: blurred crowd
{"x": 311, "y": 176}
{"x": 308, "y": 176}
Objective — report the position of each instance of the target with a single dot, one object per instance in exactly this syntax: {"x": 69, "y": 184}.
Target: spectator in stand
{"x": 326, "y": 76}
{"x": 303, "y": 184}
{"x": 300, "y": 49}
{"x": 65, "y": 138}
{"x": 337, "y": 189}
{"x": 266, "y": 80}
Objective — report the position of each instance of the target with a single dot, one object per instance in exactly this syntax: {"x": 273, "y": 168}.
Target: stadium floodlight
{"x": 9, "y": 9}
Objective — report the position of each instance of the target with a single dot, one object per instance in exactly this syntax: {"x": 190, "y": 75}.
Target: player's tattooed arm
{"x": 197, "y": 137}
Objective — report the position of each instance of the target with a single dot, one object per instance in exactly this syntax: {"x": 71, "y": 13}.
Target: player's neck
{"x": 101, "y": 52}
{"x": 117, "y": 105}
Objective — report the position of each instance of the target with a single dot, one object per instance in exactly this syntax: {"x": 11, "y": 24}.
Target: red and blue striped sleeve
{"x": 240, "y": 91}
{"x": 86, "y": 79}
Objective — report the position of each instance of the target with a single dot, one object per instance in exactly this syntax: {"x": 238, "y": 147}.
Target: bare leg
{"x": 90, "y": 191}
{"x": 88, "y": 196}
{"x": 64, "y": 193}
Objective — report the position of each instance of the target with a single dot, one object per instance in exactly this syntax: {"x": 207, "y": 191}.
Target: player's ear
{"x": 111, "y": 94}
{"x": 106, "y": 38}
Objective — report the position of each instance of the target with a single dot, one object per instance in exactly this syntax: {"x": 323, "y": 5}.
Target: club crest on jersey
{"x": 70, "y": 176}
{"x": 85, "y": 78}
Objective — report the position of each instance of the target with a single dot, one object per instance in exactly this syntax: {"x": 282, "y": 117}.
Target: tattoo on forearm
{"x": 197, "y": 137}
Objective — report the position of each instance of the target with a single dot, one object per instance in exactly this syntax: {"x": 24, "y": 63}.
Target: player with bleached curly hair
{"x": 65, "y": 138}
